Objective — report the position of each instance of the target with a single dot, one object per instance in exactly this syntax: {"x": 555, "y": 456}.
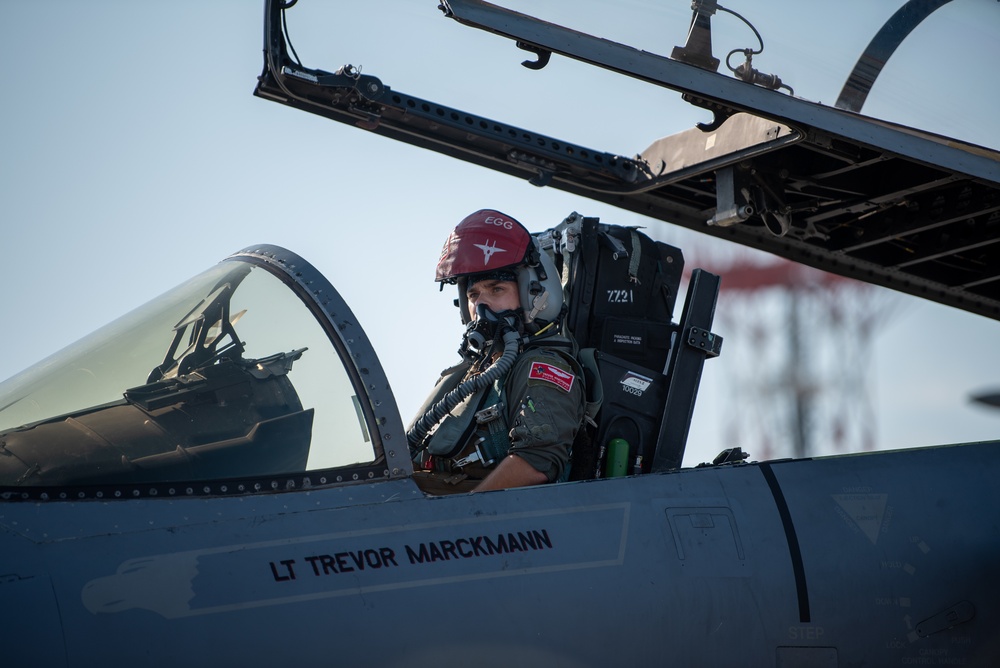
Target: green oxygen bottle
{"x": 617, "y": 462}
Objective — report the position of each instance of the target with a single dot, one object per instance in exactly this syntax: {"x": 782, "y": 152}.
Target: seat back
{"x": 620, "y": 288}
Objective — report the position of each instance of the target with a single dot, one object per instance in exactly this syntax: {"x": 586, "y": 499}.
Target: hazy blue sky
{"x": 133, "y": 155}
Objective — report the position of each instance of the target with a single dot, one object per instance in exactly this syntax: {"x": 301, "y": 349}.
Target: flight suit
{"x": 541, "y": 408}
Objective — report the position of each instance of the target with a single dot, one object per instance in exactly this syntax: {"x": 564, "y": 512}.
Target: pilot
{"x": 508, "y": 414}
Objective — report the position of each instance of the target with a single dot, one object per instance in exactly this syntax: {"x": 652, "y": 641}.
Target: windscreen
{"x": 229, "y": 374}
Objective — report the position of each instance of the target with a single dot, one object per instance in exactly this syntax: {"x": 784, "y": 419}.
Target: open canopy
{"x": 830, "y": 188}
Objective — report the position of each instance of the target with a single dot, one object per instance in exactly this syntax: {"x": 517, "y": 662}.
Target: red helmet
{"x": 483, "y": 242}
{"x": 488, "y": 241}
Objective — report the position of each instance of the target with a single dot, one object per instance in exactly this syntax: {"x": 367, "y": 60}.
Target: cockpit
{"x": 243, "y": 371}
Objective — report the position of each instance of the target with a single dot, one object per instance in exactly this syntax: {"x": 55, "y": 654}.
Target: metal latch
{"x": 473, "y": 457}
{"x": 704, "y": 340}
{"x": 488, "y": 414}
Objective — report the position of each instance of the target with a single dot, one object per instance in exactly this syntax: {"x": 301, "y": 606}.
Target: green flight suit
{"x": 543, "y": 408}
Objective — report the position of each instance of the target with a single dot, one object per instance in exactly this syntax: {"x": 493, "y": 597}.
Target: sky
{"x": 133, "y": 155}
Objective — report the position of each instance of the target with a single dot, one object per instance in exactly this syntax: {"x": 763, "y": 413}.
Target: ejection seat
{"x": 642, "y": 369}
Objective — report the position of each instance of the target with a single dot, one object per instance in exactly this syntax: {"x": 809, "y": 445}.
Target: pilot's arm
{"x": 513, "y": 471}
{"x": 545, "y": 408}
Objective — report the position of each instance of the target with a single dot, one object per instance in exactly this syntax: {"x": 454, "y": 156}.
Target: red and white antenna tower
{"x": 798, "y": 358}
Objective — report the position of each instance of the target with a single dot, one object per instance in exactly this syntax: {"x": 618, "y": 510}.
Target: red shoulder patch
{"x": 551, "y": 374}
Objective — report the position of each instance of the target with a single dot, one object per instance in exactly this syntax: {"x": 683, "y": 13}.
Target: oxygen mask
{"x": 491, "y": 344}
{"x": 488, "y": 327}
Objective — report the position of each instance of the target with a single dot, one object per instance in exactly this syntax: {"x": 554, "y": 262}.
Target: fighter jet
{"x": 222, "y": 477}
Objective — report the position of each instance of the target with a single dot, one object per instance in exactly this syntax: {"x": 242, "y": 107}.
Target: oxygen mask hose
{"x": 474, "y": 339}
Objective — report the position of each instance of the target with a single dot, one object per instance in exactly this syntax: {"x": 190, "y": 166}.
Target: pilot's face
{"x": 498, "y": 295}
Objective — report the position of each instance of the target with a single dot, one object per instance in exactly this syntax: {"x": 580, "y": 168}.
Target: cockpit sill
{"x": 199, "y": 489}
